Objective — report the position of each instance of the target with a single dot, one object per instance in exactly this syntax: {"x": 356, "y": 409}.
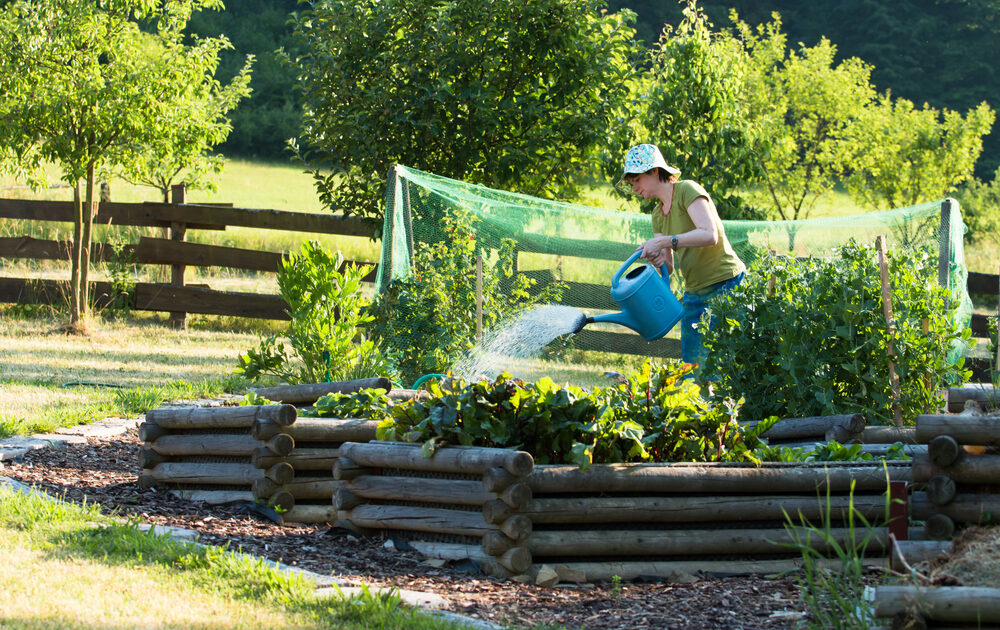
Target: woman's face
{"x": 643, "y": 183}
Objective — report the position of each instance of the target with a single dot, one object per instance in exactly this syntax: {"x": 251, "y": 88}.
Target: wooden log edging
{"x": 311, "y": 392}
{"x": 179, "y": 418}
{"x": 960, "y": 480}
{"x": 954, "y": 604}
{"x": 724, "y": 479}
{"x": 844, "y": 426}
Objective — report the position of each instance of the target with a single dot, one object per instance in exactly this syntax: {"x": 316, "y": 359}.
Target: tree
{"x": 509, "y": 94}
{"x": 810, "y": 104}
{"x": 693, "y": 103}
{"x": 82, "y": 84}
{"x": 183, "y": 137}
{"x": 905, "y": 155}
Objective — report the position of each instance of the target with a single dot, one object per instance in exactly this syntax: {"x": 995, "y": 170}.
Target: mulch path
{"x": 104, "y": 471}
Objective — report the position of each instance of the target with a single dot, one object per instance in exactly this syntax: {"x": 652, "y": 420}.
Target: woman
{"x": 687, "y": 234}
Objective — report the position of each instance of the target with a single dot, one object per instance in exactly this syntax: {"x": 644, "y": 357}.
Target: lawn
{"x": 70, "y": 567}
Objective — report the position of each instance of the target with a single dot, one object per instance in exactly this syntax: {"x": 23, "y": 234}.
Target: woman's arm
{"x": 702, "y": 212}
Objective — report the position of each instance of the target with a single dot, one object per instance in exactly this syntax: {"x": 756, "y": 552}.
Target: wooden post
{"x": 479, "y": 299}
{"x": 997, "y": 364}
{"x": 883, "y": 263}
{"x": 944, "y": 244}
{"x": 178, "y": 195}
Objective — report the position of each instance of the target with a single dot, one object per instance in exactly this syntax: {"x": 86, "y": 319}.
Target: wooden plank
{"x": 626, "y": 343}
{"x": 984, "y": 283}
{"x": 28, "y": 247}
{"x": 165, "y": 297}
{"x": 163, "y": 251}
{"x": 264, "y": 219}
{"x": 196, "y": 216}
{"x": 32, "y": 291}
{"x": 108, "y": 212}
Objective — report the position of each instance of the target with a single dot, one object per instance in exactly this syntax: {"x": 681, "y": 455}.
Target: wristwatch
{"x": 673, "y": 241}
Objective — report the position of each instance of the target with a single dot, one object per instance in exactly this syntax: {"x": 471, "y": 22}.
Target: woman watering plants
{"x": 687, "y": 235}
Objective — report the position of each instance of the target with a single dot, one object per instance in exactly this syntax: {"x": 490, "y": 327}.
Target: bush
{"x": 428, "y": 318}
{"x": 817, "y": 344}
{"x": 326, "y": 331}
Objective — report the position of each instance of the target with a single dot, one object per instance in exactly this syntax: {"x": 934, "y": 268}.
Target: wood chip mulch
{"x": 104, "y": 471}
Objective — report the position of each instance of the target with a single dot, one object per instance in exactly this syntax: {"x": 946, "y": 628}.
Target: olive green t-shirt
{"x": 700, "y": 266}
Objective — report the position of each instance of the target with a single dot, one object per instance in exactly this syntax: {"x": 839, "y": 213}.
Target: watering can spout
{"x": 621, "y": 317}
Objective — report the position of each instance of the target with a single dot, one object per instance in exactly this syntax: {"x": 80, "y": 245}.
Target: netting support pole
{"x": 407, "y": 217}
{"x": 479, "y": 299}
{"x": 944, "y": 247}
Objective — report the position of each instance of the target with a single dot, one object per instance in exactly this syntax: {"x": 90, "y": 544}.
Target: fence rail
{"x": 178, "y": 298}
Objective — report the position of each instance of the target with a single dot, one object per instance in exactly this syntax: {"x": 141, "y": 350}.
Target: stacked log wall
{"x": 957, "y": 482}
{"x": 626, "y": 519}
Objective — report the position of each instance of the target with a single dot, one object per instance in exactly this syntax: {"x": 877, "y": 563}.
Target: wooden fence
{"x": 179, "y": 298}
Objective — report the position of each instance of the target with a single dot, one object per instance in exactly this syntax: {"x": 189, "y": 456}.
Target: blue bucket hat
{"x": 639, "y": 159}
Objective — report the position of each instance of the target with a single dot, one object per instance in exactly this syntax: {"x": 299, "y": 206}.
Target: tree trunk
{"x": 89, "y": 211}
{"x": 74, "y": 306}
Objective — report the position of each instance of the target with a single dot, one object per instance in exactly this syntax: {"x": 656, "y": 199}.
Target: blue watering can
{"x": 648, "y": 305}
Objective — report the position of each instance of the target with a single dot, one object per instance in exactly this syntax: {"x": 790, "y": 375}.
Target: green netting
{"x": 583, "y": 246}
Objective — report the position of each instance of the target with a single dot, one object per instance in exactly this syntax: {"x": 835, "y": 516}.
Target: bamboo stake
{"x": 479, "y": 298}
{"x": 883, "y": 263}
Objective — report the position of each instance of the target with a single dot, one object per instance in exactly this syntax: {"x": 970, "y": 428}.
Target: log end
{"x": 146, "y": 481}
{"x": 344, "y": 499}
{"x": 285, "y": 415}
{"x": 944, "y": 450}
{"x": 496, "y": 543}
{"x": 517, "y": 560}
{"x": 520, "y": 464}
{"x": 282, "y": 499}
{"x": 281, "y": 444}
{"x": 517, "y": 496}
{"x": 939, "y": 527}
{"x": 281, "y": 473}
{"x": 518, "y": 527}
{"x": 496, "y": 511}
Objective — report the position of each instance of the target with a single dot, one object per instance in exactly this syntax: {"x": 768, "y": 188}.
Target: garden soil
{"x": 104, "y": 471}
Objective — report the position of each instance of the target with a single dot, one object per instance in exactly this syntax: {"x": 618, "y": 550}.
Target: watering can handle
{"x": 632, "y": 259}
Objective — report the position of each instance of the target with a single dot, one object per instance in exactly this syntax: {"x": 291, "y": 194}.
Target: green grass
{"x": 70, "y": 567}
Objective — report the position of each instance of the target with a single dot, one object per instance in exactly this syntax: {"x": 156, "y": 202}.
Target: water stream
{"x": 507, "y": 345}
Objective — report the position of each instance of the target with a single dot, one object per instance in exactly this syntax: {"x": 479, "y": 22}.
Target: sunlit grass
{"x": 71, "y": 567}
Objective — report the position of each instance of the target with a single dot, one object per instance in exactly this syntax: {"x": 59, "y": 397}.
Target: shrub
{"x": 428, "y": 318}
{"x": 817, "y": 344}
{"x": 326, "y": 330}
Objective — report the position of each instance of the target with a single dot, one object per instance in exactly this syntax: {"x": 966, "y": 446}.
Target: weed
{"x": 139, "y": 400}
{"x": 616, "y": 586}
{"x": 834, "y": 596}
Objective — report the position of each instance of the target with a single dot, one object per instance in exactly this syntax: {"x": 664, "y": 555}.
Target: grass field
{"x": 72, "y": 567}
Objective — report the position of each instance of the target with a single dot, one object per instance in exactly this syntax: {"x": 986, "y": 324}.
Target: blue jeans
{"x": 695, "y": 304}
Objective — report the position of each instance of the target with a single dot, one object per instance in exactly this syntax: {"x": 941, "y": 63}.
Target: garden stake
{"x": 479, "y": 299}
{"x": 897, "y": 412}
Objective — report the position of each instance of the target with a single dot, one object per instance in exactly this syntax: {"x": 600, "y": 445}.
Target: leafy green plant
{"x": 366, "y": 403}
{"x": 817, "y": 343}
{"x": 828, "y": 452}
{"x": 427, "y": 319}
{"x": 326, "y": 331}
{"x": 653, "y": 415}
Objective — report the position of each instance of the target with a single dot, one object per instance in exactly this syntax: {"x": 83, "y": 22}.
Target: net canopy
{"x": 583, "y": 246}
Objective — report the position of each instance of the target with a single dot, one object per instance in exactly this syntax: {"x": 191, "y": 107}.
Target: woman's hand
{"x": 657, "y": 251}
